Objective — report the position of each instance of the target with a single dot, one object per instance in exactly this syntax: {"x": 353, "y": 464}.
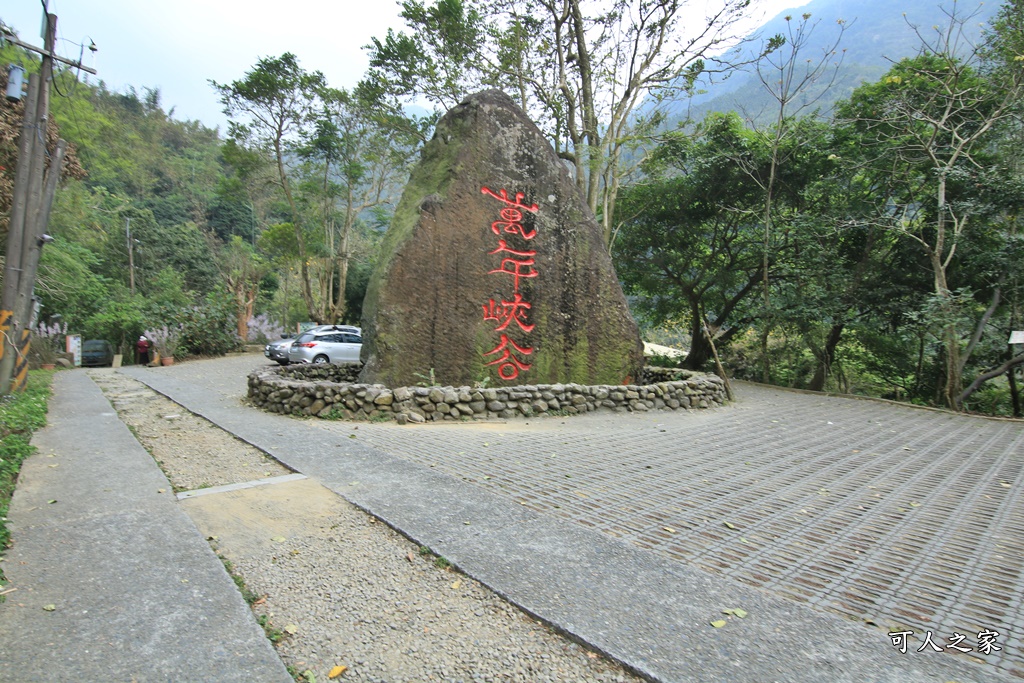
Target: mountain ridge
{"x": 874, "y": 35}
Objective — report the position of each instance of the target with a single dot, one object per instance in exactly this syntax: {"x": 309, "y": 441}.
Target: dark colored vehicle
{"x": 97, "y": 353}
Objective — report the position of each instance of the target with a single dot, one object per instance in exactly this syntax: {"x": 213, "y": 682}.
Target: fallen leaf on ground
{"x": 457, "y": 585}
{"x": 49, "y": 608}
{"x": 278, "y": 539}
{"x": 291, "y": 629}
{"x": 669, "y": 529}
{"x": 728, "y": 525}
{"x": 337, "y": 671}
{"x": 718, "y": 623}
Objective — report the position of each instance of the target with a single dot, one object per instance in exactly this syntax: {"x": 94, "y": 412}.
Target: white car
{"x": 333, "y": 344}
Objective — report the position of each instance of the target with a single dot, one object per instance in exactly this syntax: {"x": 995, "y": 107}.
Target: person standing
{"x": 142, "y": 351}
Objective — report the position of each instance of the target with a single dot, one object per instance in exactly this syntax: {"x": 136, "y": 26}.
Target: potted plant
{"x": 166, "y": 339}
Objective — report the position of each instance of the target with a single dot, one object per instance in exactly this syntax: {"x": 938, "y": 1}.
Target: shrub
{"x": 263, "y": 330}
{"x": 167, "y": 339}
{"x": 210, "y": 329}
{"x": 48, "y": 342}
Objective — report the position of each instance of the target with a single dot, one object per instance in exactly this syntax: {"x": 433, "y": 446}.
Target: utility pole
{"x": 131, "y": 254}
{"x": 34, "y": 189}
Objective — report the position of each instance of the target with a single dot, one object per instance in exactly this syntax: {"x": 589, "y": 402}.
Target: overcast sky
{"x": 177, "y": 45}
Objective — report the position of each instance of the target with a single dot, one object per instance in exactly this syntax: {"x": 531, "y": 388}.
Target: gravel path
{"x": 334, "y": 585}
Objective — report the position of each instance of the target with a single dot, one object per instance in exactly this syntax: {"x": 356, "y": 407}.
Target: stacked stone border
{"x": 332, "y": 391}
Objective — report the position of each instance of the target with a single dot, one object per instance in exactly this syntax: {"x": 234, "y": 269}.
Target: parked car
{"x": 97, "y": 353}
{"x": 327, "y": 344}
{"x": 277, "y": 351}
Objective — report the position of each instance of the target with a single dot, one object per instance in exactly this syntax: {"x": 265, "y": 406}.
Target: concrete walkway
{"x": 113, "y": 580}
{"x": 842, "y": 505}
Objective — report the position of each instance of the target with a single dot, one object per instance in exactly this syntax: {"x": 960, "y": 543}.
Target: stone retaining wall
{"x": 331, "y": 391}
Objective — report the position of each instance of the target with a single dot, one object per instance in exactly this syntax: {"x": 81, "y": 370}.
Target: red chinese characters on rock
{"x": 508, "y": 311}
{"x": 519, "y": 263}
{"x": 513, "y": 266}
{"x": 510, "y": 365}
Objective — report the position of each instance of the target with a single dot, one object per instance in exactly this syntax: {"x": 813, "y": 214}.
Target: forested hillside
{"x": 165, "y": 226}
{"x": 874, "y": 251}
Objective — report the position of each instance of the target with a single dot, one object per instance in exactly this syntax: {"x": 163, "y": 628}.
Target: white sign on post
{"x": 1017, "y": 337}
{"x": 74, "y": 347}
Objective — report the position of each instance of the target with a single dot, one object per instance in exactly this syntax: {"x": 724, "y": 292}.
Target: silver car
{"x": 277, "y": 351}
{"x": 334, "y": 344}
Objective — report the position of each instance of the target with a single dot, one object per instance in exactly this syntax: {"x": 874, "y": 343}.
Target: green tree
{"x": 242, "y": 271}
{"x": 269, "y": 107}
{"x": 689, "y": 236}
{"x": 357, "y": 161}
{"x": 794, "y": 84}
{"x": 926, "y": 130}
{"x": 579, "y": 68}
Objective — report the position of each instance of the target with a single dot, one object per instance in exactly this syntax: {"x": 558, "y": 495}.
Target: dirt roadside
{"x": 331, "y": 585}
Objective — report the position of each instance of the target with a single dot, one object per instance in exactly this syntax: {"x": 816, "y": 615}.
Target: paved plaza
{"x": 906, "y": 518}
{"x": 899, "y": 519}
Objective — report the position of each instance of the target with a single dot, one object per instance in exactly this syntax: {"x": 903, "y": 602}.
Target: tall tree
{"x": 242, "y": 270}
{"x": 357, "y": 163}
{"x": 688, "y": 244}
{"x": 580, "y": 68}
{"x": 794, "y": 82}
{"x": 926, "y": 128}
{"x": 269, "y": 108}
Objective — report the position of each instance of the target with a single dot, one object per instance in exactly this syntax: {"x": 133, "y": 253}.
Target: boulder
{"x": 494, "y": 268}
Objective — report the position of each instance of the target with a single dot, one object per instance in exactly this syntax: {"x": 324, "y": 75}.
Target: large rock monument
{"x": 494, "y": 267}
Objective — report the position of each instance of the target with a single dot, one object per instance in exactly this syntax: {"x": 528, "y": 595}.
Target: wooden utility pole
{"x": 34, "y": 189}
{"x": 131, "y": 254}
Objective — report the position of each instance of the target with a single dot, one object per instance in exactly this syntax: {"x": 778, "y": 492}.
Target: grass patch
{"x": 20, "y": 415}
{"x": 274, "y": 635}
{"x": 247, "y": 594}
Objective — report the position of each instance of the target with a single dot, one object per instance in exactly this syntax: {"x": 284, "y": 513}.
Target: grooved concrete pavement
{"x": 632, "y": 532}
